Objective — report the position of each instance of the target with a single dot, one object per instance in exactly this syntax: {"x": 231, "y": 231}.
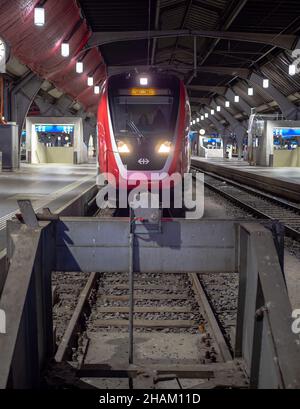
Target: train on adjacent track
{"x": 143, "y": 129}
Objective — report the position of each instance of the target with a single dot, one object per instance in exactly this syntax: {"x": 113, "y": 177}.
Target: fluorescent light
{"x": 39, "y": 16}
{"x": 250, "y": 91}
{"x": 143, "y": 81}
{"x": 90, "y": 81}
{"x": 202, "y": 117}
{"x": 65, "y": 49}
{"x": 191, "y": 123}
{"x": 236, "y": 98}
{"x": 266, "y": 83}
{"x": 96, "y": 89}
{"x": 227, "y": 104}
{"x": 212, "y": 111}
{"x": 206, "y": 115}
{"x": 198, "y": 119}
{"x": 292, "y": 69}
{"x": 218, "y": 108}
{"x": 79, "y": 67}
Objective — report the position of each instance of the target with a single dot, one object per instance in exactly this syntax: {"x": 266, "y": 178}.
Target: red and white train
{"x": 143, "y": 128}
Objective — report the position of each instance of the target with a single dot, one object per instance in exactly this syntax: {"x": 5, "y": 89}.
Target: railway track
{"x": 185, "y": 333}
{"x": 170, "y": 310}
{"x": 256, "y": 202}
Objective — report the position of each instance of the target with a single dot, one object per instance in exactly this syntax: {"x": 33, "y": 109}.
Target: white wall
{"x": 32, "y": 139}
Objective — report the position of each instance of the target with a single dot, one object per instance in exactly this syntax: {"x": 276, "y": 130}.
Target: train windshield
{"x": 143, "y": 116}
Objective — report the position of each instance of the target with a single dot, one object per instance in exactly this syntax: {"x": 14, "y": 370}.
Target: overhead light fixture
{"x": 198, "y": 119}
{"x": 79, "y": 67}
{"x": 90, "y": 81}
{"x": 65, "y": 49}
{"x": 202, "y": 117}
{"x": 212, "y": 111}
{"x": 191, "y": 123}
{"x": 250, "y": 91}
{"x": 266, "y": 83}
{"x": 236, "y": 98}
{"x": 218, "y": 108}
{"x": 292, "y": 69}
{"x": 39, "y": 16}
{"x": 143, "y": 81}
{"x": 96, "y": 89}
{"x": 206, "y": 115}
{"x": 227, "y": 104}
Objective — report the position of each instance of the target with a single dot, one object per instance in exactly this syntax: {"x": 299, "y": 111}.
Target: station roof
{"x": 84, "y": 20}
{"x": 176, "y": 54}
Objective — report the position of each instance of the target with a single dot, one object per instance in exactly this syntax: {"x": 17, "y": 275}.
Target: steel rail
{"x": 282, "y": 204}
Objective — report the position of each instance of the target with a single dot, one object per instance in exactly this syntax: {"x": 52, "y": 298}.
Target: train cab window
{"x": 148, "y": 115}
{"x": 144, "y": 112}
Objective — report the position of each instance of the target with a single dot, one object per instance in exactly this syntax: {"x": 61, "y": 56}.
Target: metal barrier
{"x": 79, "y": 206}
{"x": 264, "y": 337}
{"x": 94, "y": 244}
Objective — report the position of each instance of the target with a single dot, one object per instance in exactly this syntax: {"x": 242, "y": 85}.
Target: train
{"x": 143, "y": 127}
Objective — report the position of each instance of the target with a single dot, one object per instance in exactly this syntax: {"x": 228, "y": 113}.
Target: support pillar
{"x": 22, "y": 97}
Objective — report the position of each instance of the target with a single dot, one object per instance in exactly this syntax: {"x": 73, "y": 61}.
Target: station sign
{"x": 286, "y": 133}
{"x": 68, "y": 129}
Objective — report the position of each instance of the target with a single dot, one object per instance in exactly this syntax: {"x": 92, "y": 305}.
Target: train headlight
{"x": 165, "y": 147}
{"x": 122, "y": 147}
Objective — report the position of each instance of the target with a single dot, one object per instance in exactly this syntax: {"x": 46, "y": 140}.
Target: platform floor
{"x": 51, "y": 185}
{"x": 284, "y": 174}
{"x": 283, "y": 182}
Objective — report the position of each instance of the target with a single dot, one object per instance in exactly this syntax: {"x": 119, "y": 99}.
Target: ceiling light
{"x": 194, "y": 121}
{"x": 79, "y": 67}
{"x": 39, "y": 16}
{"x": 202, "y": 117}
{"x": 218, "y": 108}
{"x": 250, "y": 91}
{"x": 292, "y": 69}
{"x": 227, "y": 104}
{"x": 236, "y": 98}
{"x": 144, "y": 81}
{"x": 97, "y": 89}
{"x": 212, "y": 111}
{"x": 198, "y": 119}
{"x": 65, "y": 49}
{"x": 206, "y": 115}
{"x": 266, "y": 83}
{"x": 90, "y": 81}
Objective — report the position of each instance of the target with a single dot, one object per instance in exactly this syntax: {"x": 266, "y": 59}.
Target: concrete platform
{"x": 51, "y": 185}
{"x": 283, "y": 182}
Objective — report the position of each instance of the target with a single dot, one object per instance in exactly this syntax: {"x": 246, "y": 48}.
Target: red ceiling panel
{"x": 39, "y": 47}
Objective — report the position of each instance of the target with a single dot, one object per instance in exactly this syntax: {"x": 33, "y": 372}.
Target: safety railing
{"x": 264, "y": 337}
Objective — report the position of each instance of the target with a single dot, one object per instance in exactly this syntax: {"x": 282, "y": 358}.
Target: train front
{"x": 143, "y": 124}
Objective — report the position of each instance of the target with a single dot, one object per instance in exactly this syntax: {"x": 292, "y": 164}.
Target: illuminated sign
{"x": 286, "y": 133}
{"x": 143, "y": 91}
{"x": 55, "y": 128}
